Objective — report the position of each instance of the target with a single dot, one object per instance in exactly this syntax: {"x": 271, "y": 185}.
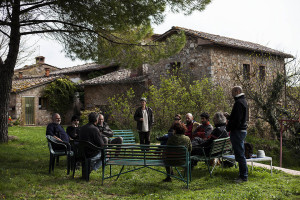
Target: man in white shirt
{"x": 144, "y": 118}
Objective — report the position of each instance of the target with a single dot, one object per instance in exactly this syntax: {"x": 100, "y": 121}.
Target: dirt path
{"x": 288, "y": 171}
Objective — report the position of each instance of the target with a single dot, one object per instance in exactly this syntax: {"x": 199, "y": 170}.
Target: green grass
{"x": 24, "y": 175}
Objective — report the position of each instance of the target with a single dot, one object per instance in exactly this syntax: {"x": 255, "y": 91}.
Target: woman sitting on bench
{"x": 178, "y": 138}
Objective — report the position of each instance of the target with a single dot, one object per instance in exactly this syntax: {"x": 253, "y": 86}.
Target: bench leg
{"x": 271, "y": 167}
{"x": 120, "y": 173}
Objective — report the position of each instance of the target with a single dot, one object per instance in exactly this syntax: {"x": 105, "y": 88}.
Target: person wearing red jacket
{"x": 205, "y": 129}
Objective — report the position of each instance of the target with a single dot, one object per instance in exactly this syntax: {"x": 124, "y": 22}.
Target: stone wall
{"x": 42, "y": 117}
{"x": 228, "y": 62}
{"x": 194, "y": 59}
{"x": 37, "y": 70}
{"x": 97, "y": 95}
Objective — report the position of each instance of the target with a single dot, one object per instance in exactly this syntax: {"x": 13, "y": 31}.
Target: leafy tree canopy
{"x": 82, "y": 25}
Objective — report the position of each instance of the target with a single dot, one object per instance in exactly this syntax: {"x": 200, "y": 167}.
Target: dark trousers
{"x": 144, "y": 137}
{"x": 237, "y": 138}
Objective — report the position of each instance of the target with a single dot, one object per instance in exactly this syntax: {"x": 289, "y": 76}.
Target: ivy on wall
{"x": 60, "y": 95}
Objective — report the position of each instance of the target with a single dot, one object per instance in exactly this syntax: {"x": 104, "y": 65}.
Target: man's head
{"x": 236, "y": 90}
{"x": 56, "y": 118}
{"x": 177, "y": 118}
{"x": 189, "y": 118}
{"x": 75, "y": 119}
{"x": 101, "y": 119}
{"x": 143, "y": 101}
{"x": 204, "y": 118}
{"x": 93, "y": 117}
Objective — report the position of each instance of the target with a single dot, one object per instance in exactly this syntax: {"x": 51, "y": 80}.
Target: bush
{"x": 84, "y": 115}
{"x": 121, "y": 109}
{"x": 60, "y": 95}
{"x": 174, "y": 96}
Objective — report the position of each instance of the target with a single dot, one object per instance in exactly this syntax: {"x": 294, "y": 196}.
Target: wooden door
{"x": 28, "y": 105}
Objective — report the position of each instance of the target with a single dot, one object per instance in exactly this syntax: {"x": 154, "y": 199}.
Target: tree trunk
{"x": 7, "y": 70}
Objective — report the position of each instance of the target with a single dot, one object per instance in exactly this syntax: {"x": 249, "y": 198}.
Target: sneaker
{"x": 168, "y": 179}
{"x": 240, "y": 180}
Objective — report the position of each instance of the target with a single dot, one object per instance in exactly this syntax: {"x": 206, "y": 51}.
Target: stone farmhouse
{"x": 219, "y": 58}
{"x": 204, "y": 55}
{"x": 26, "y": 101}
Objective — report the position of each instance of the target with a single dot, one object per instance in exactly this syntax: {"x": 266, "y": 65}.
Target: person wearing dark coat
{"x": 57, "y": 131}
{"x": 91, "y": 133}
{"x": 73, "y": 130}
{"x": 237, "y": 125}
{"x": 107, "y": 133}
{"x": 145, "y": 119}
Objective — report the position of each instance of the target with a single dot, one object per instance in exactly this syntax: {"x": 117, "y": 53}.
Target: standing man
{"x": 237, "y": 125}
{"x": 145, "y": 119}
{"x": 56, "y": 130}
{"x": 91, "y": 133}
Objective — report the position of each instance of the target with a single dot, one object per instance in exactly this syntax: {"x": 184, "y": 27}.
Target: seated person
{"x": 178, "y": 138}
{"x": 191, "y": 125}
{"x": 163, "y": 139}
{"x": 218, "y": 132}
{"x": 91, "y": 133}
{"x": 56, "y": 130}
{"x": 73, "y": 130}
{"x": 203, "y": 131}
{"x": 106, "y": 132}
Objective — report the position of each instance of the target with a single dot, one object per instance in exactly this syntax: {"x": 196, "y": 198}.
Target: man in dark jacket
{"x": 237, "y": 125}
{"x": 107, "y": 133}
{"x": 144, "y": 118}
{"x": 56, "y": 130}
{"x": 91, "y": 133}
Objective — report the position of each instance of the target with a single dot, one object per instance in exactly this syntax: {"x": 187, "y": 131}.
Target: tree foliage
{"x": 121, "y": 109}
{"x": 81, "y": 26}
{"x": 172, "y": 96}
{"x": 60, "y": 95}
{"x": 268, "y": 96}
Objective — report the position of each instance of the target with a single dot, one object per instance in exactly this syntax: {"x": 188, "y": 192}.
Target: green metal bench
{"x": 219, "y": 148}
{"x": 127, "y": 135}
{"x": 146, "y": 156}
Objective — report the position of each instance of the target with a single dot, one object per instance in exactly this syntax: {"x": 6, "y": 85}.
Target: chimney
{"x": 40, "y": 60}
{"x": 20, "y": 75}
{"x": 47, "y": 71}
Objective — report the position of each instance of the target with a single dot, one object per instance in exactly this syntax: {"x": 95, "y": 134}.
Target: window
{"x": 43, "y": 103}
{"x": 246, "y": 71}
{"x": 262, "y": 73}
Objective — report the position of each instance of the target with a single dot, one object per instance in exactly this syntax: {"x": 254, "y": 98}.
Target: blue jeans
{"x": 96, "y": 161}
{"x": 237, "y": 138}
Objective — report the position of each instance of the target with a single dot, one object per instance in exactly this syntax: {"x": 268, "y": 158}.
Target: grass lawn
{"x": 24, "y": 175}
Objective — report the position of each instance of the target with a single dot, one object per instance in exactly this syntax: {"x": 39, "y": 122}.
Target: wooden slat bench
{"x": 127, "y": 135}
{"x": 146, "y": 156}
{"x": 219, "y": 148}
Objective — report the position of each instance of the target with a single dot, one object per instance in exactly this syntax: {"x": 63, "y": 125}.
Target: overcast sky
{"x": 272, "y": 23}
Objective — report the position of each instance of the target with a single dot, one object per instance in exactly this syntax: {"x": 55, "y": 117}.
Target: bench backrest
{"x": 147, "y": 155}
{"x": 219, "y": 146}
{"x": 127, "y": 135}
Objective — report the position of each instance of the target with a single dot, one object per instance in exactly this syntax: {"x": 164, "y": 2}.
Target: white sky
{"x": 272, "y": 23}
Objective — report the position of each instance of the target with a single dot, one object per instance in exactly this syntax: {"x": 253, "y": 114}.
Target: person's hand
{"x": 141, "y": 119}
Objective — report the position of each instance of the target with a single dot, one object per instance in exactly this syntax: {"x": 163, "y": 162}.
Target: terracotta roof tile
{"x": 81, "y": 68}
{"x": 20, "y": 85}
{"x": 225, "y": 41}
{"x": 120, "y": 76}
